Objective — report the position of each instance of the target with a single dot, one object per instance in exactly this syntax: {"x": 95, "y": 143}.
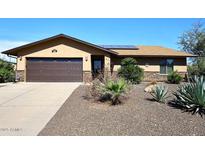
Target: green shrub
{"x": 114, "y": 89}
{"x": 191, "y": 96}
{"x": 6, "y": 72}
{"x": 174, "y": 77}
{"x": 197, "y": 68}
{"x": 159, "y": 93}
{"x": 130, "y": 71}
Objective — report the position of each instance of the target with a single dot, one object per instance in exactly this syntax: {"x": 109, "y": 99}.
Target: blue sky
{"x": 164, "y": 32}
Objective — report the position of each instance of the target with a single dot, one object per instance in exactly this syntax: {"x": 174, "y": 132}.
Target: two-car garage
{"x": 54, "y": 70}
{"x": 60, "y": 58}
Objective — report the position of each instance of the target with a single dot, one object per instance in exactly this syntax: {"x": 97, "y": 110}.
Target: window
{"x": 166, "y": 66}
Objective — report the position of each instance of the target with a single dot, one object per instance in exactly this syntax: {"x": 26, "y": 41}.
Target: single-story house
{"x": 62, "y": 58}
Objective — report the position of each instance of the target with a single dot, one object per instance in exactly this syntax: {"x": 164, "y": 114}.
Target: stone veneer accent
{"x": 153, "y": 76}
{"x": 20, "y": 75}
{"x": 87, "y": 76}
{"x": 156, "y": 76}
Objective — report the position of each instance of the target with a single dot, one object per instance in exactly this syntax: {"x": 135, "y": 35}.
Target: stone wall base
{"x": 20, "y": 75}
{"x": 87, "y": 76}
{"x": 155, "y": 76}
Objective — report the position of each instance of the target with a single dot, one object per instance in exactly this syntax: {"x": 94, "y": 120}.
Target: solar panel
{"x": 119, "y": 46}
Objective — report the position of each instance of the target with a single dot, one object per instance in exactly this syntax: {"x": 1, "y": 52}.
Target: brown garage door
{"x": 53, "y": 70}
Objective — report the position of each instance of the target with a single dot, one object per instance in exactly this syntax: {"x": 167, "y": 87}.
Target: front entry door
{"x": 97, "y": 65}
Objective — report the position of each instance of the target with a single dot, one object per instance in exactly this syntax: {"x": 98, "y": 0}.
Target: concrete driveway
{"x": 25, "y": 108}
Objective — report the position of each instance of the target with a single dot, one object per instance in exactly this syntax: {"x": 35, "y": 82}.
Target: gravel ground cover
{"x": 137, "y": 116}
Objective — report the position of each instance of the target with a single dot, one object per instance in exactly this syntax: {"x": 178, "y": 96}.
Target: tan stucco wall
{"x": 153, "y": 64}
{"x": 65, "y": 49}
{"x": 72, "y": 49}
{"x": 63, "y": 52}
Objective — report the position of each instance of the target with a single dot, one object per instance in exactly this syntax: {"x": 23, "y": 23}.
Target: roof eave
{"x": 160, "y": 55}
{"x": 14, "y": 50}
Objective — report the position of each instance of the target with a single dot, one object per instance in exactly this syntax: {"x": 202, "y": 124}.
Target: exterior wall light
{"x": 86, "y": 58}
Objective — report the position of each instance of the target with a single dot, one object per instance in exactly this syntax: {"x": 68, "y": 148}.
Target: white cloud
{"x": 6, "y": 44}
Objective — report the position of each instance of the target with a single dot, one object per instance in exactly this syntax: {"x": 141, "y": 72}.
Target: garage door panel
{"x": 54, "y": 70}
{"x": 59, "y": 65}
{"x": 52, "y": 79}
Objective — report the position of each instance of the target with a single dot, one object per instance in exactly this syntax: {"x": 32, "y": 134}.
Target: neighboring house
{"x": 62, "y": 58}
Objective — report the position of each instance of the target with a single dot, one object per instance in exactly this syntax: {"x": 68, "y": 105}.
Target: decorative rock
{"x": 150, "y": 88}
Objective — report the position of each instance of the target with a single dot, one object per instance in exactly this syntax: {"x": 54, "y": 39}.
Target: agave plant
{"x": 114, "y": 89}
{"x": 191, "y": 97}
{"x": 159, "y": 93}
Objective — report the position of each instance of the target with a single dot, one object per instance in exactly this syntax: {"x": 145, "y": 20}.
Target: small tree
{"x": 6, "y": 72}
{"x": 193, "y": 41}
{"x": 197, "y": 68}
{"x": 130, "y": 71}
